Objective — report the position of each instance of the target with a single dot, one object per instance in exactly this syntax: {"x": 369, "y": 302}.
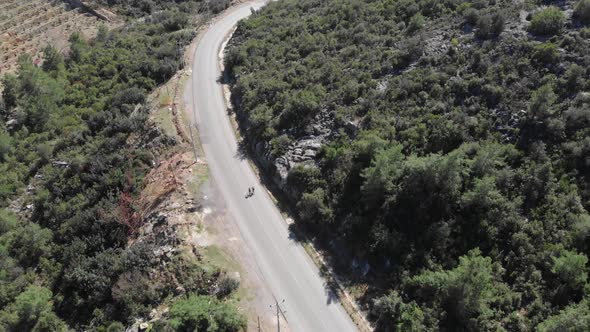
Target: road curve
{"x": 286, "y": 268}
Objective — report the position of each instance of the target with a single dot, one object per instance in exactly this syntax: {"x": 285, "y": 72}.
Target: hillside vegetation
{"x": 138, "y": 8}
{"x": 75, "y": 146}
{"x": 455, "y": 151}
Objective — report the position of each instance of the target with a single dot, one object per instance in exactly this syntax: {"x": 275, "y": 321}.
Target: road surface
{"x": 285, "y": 266}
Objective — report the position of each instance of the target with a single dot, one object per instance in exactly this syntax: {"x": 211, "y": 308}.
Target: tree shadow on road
{"x": 242, "y": 151}
{"x": 331, "y": 287}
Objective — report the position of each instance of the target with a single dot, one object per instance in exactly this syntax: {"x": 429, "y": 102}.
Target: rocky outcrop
{"x": 302, "y": 151}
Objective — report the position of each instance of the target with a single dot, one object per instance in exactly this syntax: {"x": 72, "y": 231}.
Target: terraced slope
{"x": 28, "y": 26}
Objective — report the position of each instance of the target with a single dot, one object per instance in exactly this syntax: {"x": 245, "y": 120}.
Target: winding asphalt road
{"x": 285, "y": 266}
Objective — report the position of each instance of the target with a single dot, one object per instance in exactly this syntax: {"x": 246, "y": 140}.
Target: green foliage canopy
{"x": 446, "y": 130}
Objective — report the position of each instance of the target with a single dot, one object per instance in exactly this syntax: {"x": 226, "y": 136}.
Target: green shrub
{"x": 227, "y": 285}
{"x": 545, "y": 53}
{"x": 280, "y": 144}
{"x": 542, "y": 101}
{"x": 313, "y": 208}
{"x": 490, "y": 26}
{"x": 52, "y": 59}
{"x": 582, "y": 11}
{"x": 31, "y": 311}
{"x": 5, "y": 145}
{"x": 471, "y": 15}
{"x": 573, "y": 79}
{"x": 492, "y": 94}
{"x": 570, "y": 268}
{"x": 391, "y": 310}
{"x": 416, "y": 23}
{"x": 463, "y": 7}
{"x": 572, "y": 318}
{"x": 205, "y": 313}
{"x": 547, "y": 22}
{"x": 469, "y": 290}
{"x": 10, "y": 91}
{"x": 116, "y": 327}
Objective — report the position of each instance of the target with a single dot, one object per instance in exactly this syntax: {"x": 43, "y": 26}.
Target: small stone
{"x": 153, "y": 313}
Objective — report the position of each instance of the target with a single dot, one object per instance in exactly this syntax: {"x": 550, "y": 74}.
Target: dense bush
{"x": 547, "y": 22}
{"x": 489, "y": 26}
{"x": 456, "y": 166}
{"x": 416, "y": 23}
{"x": 31, "y": 311}
{"x": 203, "y": 313}
{"x": 546, "y": 53}
{"x": 572, "y": 318}
{"x": 582, "y": 11}
{"x": 471, "y": 15}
